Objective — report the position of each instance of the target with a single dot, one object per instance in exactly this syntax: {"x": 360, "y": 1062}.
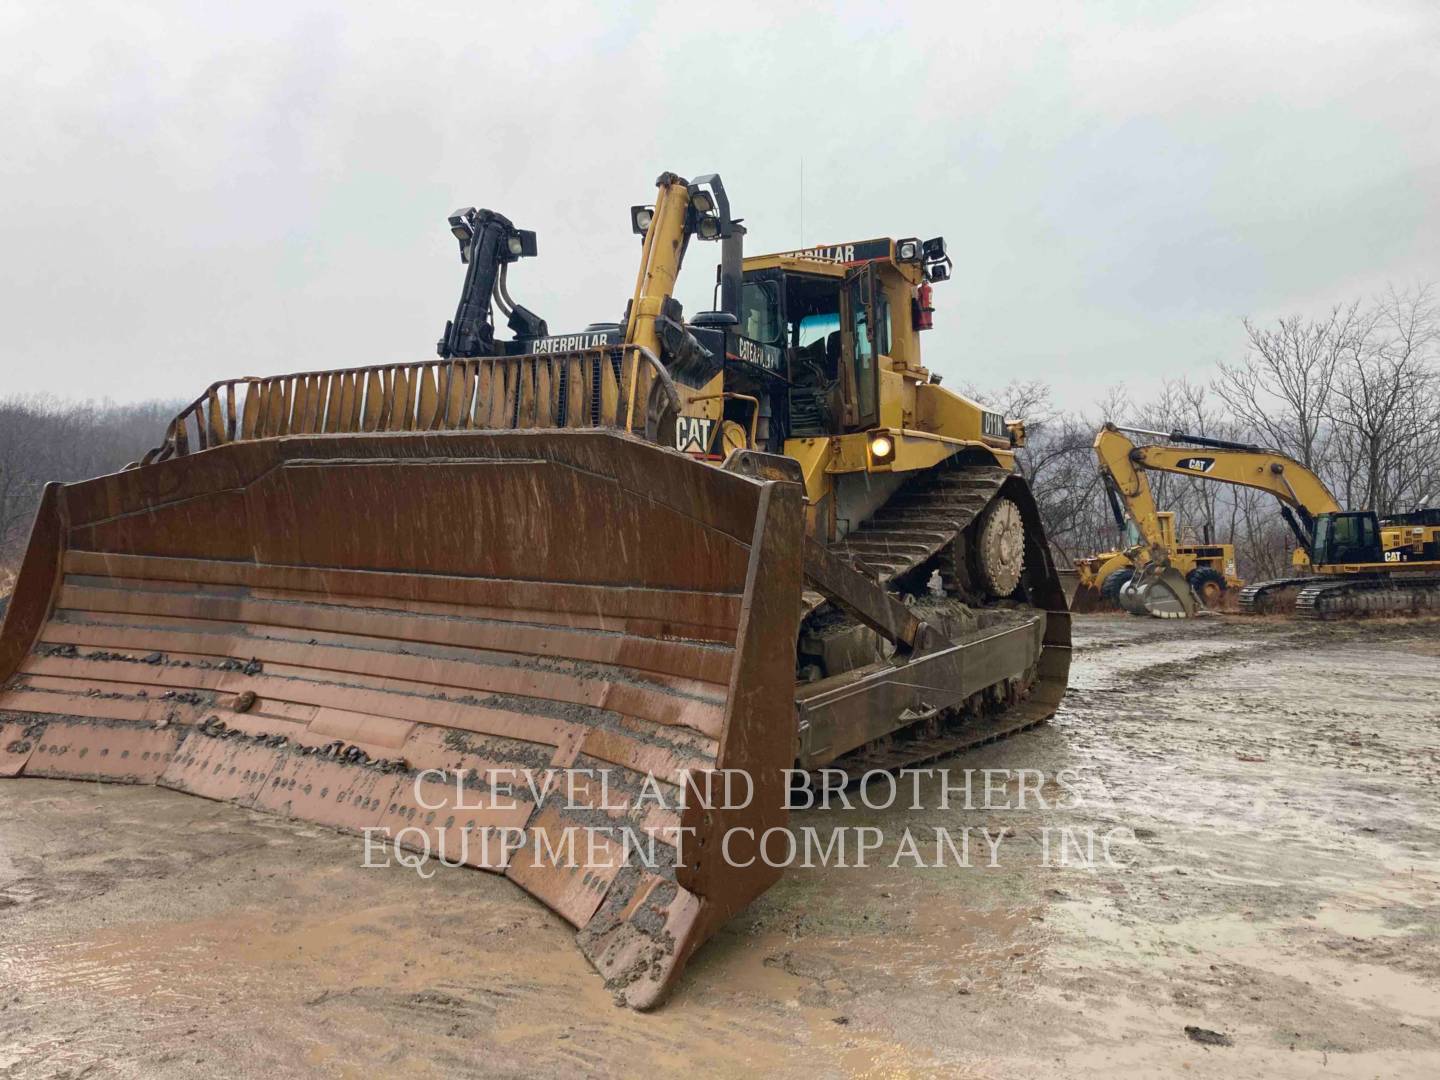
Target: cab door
{"x": 1351, "y": 537}
{"x": 858, "y": 337}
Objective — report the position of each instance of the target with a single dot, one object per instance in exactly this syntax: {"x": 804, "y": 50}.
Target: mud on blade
{"x": 335, "y": 628}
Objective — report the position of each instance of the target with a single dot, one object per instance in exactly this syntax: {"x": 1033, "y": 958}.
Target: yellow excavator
{"x": 762, "y": 542}
{"x": 1355, "y": 564}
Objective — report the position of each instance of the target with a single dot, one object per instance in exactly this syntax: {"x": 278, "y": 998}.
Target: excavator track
{"x": 922, "y": 529}
{"x": 1380, "y": 594}
{"x": 1255, "y": 597}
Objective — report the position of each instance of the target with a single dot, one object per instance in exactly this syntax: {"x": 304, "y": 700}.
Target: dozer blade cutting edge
{"x": 308, "y": 624}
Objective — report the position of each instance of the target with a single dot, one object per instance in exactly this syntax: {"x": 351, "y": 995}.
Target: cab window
{"x": 861, "y": 328}
{"x": 866, "y": 371}
{"x": 760, "y": 312}
{"x": 815, "y": 328}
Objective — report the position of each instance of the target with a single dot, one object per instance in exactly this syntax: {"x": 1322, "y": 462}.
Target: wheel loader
{"x": 1155, "y": 573}
{"x": 1354, "y": 563}
{"x": 630, "y": 560}
{"x": 1209, "y": 569}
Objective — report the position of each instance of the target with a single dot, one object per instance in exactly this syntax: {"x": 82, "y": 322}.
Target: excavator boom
{"x": 1156, "y": 588}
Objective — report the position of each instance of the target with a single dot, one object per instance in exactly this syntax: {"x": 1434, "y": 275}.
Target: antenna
{"x": 802, "y": 202}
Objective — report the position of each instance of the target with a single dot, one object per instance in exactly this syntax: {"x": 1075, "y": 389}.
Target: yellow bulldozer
{"x": 1351, "y": 562}
{"x": 630, "y": 560}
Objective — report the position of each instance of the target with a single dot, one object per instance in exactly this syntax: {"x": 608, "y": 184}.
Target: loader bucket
{"x": 1086, "y": 599}
{"x": 403, "y": 631}
{"x": 1161, "y": 591}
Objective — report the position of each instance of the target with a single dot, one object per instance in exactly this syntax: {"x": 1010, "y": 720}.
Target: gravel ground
{"x": 1271, "y": 908}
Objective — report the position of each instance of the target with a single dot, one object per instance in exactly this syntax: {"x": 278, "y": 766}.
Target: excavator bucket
{"x": 1161, "y": 591}
{"x": 534, "y": 652}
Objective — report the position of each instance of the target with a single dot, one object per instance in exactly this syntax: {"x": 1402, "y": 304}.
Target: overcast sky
{"x": 193, "y": 191}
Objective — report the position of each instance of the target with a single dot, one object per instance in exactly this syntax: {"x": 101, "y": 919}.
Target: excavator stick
{"x": 487, "y": 645}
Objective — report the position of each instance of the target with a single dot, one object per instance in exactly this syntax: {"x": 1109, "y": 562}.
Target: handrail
{"x": 601, "y": 387}
{"x": 730, "y": 395}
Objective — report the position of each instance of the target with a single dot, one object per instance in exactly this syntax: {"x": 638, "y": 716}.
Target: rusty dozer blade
{"x": 375, "y": 631}
{"x": 1161, "y": 591}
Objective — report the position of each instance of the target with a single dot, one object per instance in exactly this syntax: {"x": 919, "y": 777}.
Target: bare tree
{"x": 42, "y": 439}
{"x": 1354, "y": 395}
{"x": 1384, "y": 401}
{"x": 1282, "y": 389}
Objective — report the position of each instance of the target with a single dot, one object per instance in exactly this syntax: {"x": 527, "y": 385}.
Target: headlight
{"x": 701, "y": 201}
{"x": 882, "y": 448}
{"x": 515, "y": 246}
{"x": 708, "y": 228}
{"x": 460, "y": 224}
{"x": 908, "y": 251}
{"x": 640, "y": 218}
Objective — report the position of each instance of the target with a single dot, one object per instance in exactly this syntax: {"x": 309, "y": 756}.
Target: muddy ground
{"x": 1275, "y": 880}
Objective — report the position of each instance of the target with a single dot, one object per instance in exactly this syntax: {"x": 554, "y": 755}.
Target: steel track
{"x": 925, "y": 523}
{"x": 1378, "y": 595}
{"x": 1253, "y": 596}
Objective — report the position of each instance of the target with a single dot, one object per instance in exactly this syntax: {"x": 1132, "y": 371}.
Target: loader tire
{"x": 1209, "y": 585}
{"x": 1111, "y": 586}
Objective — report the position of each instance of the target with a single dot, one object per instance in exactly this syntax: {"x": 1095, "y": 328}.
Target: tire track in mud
{"x": 1139, "y": 662}
{"x": 1280, "y": 778}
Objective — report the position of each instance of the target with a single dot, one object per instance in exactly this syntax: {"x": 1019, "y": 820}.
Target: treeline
{"x": 1353, "y": 395}
{"x": 43, "y": 439}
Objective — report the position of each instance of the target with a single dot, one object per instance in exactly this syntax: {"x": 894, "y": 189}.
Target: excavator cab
{"x": 1351, "y": 537}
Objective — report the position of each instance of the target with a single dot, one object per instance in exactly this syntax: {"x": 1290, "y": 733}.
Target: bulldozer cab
{"x": 799, "y": 312}
{"x": 834, "y": 320}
